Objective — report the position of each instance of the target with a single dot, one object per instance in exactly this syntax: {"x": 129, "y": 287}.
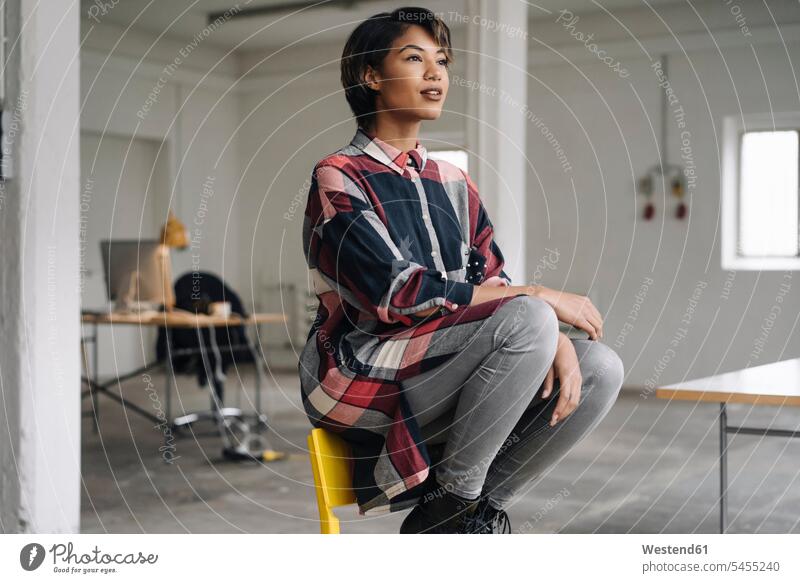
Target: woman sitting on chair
{"x": 421, "y": 338}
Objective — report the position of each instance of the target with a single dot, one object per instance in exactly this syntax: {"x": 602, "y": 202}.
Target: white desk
{"x": 769, "y": 384}
{"x": 168, "y": 320}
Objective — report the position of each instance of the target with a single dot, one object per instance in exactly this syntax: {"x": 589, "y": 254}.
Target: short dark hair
{"x": 369, "y": 44}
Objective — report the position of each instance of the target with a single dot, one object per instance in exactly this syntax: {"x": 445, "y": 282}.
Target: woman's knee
{"x": 601, "y": 368}
{"x": 534, "y": 322}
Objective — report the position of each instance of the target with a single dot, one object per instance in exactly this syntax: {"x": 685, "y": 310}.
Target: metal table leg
{"x": 724, "y": 430}
{"x": 723, "y": 467}
{"x": 261, "y": 418}
{"x": 170, "y": 374}
{"x": 96, "y": 389}
{"x": 95, "y": 368}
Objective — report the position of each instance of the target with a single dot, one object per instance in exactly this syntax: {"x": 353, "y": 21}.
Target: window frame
{"x": 446, "y": 140}
{"x": 734, "y": 127}
{"x": 433, "y": 152}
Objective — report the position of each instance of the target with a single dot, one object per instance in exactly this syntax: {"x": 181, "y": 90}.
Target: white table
{"x": 769, "y": 384}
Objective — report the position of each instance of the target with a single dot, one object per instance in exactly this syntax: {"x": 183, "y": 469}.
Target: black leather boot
{"x": 439, "y": 512}
{"x": 488, "y": 520}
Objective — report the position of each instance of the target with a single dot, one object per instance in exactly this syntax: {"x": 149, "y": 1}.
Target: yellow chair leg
{"x": 328, "y": 523}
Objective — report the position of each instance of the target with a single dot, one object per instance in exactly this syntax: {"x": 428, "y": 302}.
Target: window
{"x": 760, "y": 193}
{"x": 456, "y": 157}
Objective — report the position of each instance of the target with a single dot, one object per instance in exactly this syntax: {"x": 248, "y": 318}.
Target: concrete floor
{"x": 649, "y": 467}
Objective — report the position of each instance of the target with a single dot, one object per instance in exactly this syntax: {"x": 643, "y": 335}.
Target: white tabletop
{"x": 769, "y": 384}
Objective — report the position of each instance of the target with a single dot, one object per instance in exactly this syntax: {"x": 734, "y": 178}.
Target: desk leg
{"x": 723, "y": 467}
{"x": 95, "y": 368}
{"x": 261, "y": 418}
{"x": 169, "y": 373}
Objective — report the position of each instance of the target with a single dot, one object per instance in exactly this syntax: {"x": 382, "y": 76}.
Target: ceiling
{"x": 185, "y": 18}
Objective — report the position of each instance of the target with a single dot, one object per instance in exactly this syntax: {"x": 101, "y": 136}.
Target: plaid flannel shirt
{"x": 387, "y": 234}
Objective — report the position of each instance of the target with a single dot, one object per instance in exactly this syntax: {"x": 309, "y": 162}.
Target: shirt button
{"x": 424, "y": 216}
{"x": 434, "y": 253}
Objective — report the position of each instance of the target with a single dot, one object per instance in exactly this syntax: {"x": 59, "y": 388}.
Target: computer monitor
{"x": 135, "y": 273}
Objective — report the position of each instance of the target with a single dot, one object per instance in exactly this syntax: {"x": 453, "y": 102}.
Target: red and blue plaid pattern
{"x": 387, "y": 234}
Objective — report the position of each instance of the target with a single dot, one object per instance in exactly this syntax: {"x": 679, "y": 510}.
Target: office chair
{"x": 193, "y": 351}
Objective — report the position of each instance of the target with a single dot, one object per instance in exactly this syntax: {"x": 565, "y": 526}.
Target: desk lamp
{"x": 173, "y": 234}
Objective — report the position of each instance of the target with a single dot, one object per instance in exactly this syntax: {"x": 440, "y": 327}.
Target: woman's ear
{"x": 372, "y": 79}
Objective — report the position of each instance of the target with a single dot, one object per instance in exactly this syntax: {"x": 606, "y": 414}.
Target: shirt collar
{"x": 386, "y": 153}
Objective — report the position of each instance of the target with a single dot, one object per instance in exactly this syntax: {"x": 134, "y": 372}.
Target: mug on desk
{"x": 221, "y": 309}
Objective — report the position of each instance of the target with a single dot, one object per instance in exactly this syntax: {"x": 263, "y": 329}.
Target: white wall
{"x": 611, "y": 139}
{"x": 126, "y": 198}
{"x": 40, "y": 362}
{"x": 191, "y": 111}
{"x": 604, "y": 247}
{"x": 180, "y": 120}
{"x": 289, "y": 111}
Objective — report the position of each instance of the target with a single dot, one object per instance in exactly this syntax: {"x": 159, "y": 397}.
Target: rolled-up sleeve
{"x": 355, "y": 256}
{"x": 483, "y": 238}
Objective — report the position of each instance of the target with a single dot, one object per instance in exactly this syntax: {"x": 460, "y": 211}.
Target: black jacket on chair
{"x": 194, "y": 291}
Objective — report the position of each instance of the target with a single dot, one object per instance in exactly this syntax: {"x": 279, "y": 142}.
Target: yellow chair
{"x": 330, "y": 461}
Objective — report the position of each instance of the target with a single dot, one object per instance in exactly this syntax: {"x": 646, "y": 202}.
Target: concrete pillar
{"x": 39, "y": 267}
{"x": 497, "y": 50}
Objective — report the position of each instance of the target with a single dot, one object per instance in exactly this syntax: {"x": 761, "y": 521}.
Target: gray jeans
{"x": 485, "y": 403}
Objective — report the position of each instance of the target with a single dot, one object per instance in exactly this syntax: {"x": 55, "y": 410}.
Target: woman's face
{"x": 414, "y": 65}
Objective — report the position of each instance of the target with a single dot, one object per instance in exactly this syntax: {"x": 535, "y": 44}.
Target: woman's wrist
{"x": 482, "y": 293}
{"x": 564, "y": 348}
{"x": 536, "y": 291}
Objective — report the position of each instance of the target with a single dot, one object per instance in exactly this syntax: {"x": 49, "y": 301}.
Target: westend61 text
{"x": 673, "y": 550}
